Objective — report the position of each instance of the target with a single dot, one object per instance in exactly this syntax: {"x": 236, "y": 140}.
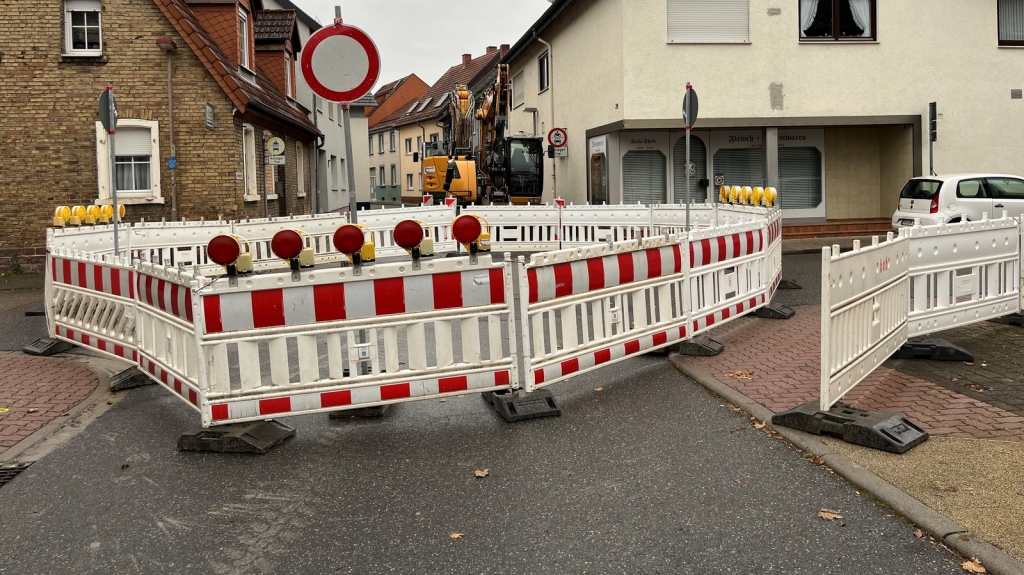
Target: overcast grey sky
{"x": 426, "y": 37}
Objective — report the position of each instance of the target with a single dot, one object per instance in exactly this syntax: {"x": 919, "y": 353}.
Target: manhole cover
{"x": 8, "y": 472}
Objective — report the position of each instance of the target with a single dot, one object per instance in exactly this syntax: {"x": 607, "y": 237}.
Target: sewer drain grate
{"x": 8, "y": 472}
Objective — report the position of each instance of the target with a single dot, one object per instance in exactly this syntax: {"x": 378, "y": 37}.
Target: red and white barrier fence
{"x": 302, "y": 334}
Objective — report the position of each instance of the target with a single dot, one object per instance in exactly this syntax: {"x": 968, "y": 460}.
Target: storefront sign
{"x": 598, "y": 145}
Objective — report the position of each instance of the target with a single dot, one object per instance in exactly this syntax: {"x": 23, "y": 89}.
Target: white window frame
{"x": 408, "y": 148}
{"x": 251, "y": 191}
{"x": 380, "y": 143}
{"x": 373, "y": 177}
{"x": 151, "y": 196}
{"x": 699, "y": 29}
{"x": 408, "y": 181}
{"x": 243, "y": 42}
{"x": 71, "y": 6}
{"x": 288, "y": 75}
{"x": 334, "y": 173}
{"x": 543, "y": 72}
{"x": 370, "y": 143}
{"x": 518, "y": 91}
{"x": 391, "y": 139}
{"x": 330, "y": 110}
{"x": 300, "y": 169}
{"x": 394, "y": 175}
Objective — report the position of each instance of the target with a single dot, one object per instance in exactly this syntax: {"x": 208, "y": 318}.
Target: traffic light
{"x": 933, "y": 122}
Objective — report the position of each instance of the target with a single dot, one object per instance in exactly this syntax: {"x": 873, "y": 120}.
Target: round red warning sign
{"x": 340, "y": 63}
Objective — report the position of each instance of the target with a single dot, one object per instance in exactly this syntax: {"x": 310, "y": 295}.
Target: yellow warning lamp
{"x": 734, "y": 195}
{"x": 756, "y": 195}
{"x": 230, "y": 251}
{"x": 77, "y": 215}
{"x": 61, "y": 216}
{"x": 745, "y": 193}
{"x": 92, "y": 213}
{"x": 770, "y": 195}
{"x": 414, "y": 237}
{"x": 107, "y": 213}
{"x": 723, "y": 194}
{"x": 350, "y": 239}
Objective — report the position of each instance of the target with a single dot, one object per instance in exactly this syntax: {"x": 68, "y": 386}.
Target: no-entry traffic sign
{"x": 340, "y": 63}
{"x": 558, "y": 137}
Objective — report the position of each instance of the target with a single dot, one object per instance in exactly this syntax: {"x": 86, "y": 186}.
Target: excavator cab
{"x": 524, "y": 172}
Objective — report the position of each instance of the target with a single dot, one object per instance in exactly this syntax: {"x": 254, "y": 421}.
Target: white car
{"x": 959, "y": 197}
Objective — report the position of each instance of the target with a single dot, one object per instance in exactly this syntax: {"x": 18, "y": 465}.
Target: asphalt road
{"x": 650, "y": 475}
{"x": 16, "y": 329}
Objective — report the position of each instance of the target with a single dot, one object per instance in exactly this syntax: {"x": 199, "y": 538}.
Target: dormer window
{"x": 243, "y": 39}
{"x": 82, "y": 28}
{"x": 288, "y": 75}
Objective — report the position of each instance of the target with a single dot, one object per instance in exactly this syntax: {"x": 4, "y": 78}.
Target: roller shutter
{"x": 699, "y": 156}
{"x": 133, "y": 142}
{"x": 799, "y": 178}
{"x": 643, "y": 177}
{"x": 741, "y": 167}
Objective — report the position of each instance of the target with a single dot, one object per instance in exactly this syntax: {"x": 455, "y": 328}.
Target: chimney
{"x": 466, "y": 58}
{"x": 491, "y": 50}
{"x": 504, "y": 49}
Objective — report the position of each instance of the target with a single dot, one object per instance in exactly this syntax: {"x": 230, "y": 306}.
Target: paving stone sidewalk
{"x": 36, "y": 390}
{"x": 782, "y": 360}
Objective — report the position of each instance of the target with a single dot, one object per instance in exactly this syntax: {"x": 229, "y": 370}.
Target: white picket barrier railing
{"x": 864, "y": 312}
{"x": 275, "y": 343}
{"x": 963, "y": 273}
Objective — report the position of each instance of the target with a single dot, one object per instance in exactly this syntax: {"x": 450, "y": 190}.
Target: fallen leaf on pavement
{"x": 567, "y": 473}
{"x": 482, "y": 473}
{"x": 760, "y": 425}
{"x": 443, "y": 400}
{"x": 32, "y": 410}
{"x": 738, "y": 482}
{"x": 740, "y": 374}
{"x": 973, "y": 566}
{"x": 456, "y": 535}
{"x": 598, "y": 389}
{"x": 4, "y": 409}
{"x": 968, "y": 363}
{"x": 124, "y": 466}
{"x": 829, "y": 514}
{"x": 919, "y": 534}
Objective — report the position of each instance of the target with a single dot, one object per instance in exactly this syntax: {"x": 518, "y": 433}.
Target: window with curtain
{"x": 837, "y": 20}
{"x": 1011, "y": 22}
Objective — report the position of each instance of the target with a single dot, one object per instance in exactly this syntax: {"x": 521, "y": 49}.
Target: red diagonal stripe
{"x": 497, "y": 278}
{"x": 625, "y": 268}
{"x": 570, "y": 366}
{"x": 329, "y": 302}
{"x": 447, "y": 290}
{"x": 563, "y": 279}
{"x": 267, "y": 308}
{"x": 66, "y": 264}
{"x": 211, "y": 311}
{"x": 721, "y": 249}
{"x": 219, "y": 411}
{"x": 115, "y": 281}
{"x": 276, "y": 405}
{"x": 82, "y": 279}
{"x": 632, "y": 347}
{"x": 501, "y": 378}
{"x": 654, "y": 263}
{"x": 336, "y": 398}
{"x": 174, "y": 299}
{"x": 677, "y": 255}
{"x": 736, "y": 246}
{"x": 595, "y": 273}
{"x": 389, "y": 296}
{"x": 602, "y": 356}
{"x": 394, "y": 391}
{"x": 452, "y": 384}
{"x": 97, "y": 278}
{"x": 531, "y": 280}
{"x": 705, "y": 252}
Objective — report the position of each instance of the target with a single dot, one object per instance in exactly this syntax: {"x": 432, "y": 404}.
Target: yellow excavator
{"x": 505, "y": 169}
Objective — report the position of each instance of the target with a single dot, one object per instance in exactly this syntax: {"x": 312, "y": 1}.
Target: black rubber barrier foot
{"x": 932, "y": 348}
{"x": 775, "y": 312}
{"x": 253, "y": 437}
{"x": 875, "y": 429}
{"x": 129, "y": 378}
{"x": 35, "y": 312}
{"x": 1016, "y": 319}
{"x": 46, "y": 346}
{"x": 515, "y": 406}
{"x": 361, "y": 412}
{"x": 789, "y": 284}
{"x": 703, "y": 346}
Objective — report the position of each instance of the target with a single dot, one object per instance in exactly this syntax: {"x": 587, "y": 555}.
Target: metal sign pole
{"x": 113, "y": 174}
{"x": 352, "y": 205}
{"x": 686, "y": 114}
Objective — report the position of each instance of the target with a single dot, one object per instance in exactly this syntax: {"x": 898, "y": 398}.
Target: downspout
{"x": 551, "y": 93}
{"x": 170, "y": 117}
{"x": 423, "y": 139}
{"x": 315, "y": 208}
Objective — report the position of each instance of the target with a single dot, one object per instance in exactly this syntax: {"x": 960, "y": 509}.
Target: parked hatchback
{"x": 959, "y": 197}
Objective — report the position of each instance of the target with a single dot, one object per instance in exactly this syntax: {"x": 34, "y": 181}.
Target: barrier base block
{"x": 253, "y": 437}
{"x": 932, "y": 348}
{"x": 789, "y": 284}
{"x": 880, "y": 430}
{"x": 129, "y": 378}
{"x": 1016, "y": 319}
{"x": 46, "y": 346}
{"x": 775, "y": 312}
{"x": 702, "y": 346}
{"x": 360, "y": 412}
{"x": 515, "y": 406}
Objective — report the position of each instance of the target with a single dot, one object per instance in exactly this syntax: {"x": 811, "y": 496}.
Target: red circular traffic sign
{"x": 558, "y": 137}
{"x": 340, "y": 63}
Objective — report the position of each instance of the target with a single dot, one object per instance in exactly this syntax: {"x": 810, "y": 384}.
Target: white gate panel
{"x": 259, "y": 232}
{"x": 382, "y": 222}
{"x": 864, "y": 312}
{"x": 588, "y": 225}
{"x": 963, "y": 273}
{"x": 520, "y": 228}
{"x": 175, "y": 244}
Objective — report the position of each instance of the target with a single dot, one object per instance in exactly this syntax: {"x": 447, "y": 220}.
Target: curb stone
{"x": 951, "y": 534}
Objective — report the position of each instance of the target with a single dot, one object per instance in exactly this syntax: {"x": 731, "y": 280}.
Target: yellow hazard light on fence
{"x": 723, "y": 194}
{"x": 92, "y": 214}
{"x": 77, "y": 215}
{"x": 770, "y": 195}
{"x": 734, "y": 195}
{"x": 61, "y": 216}
{"x": 756, "y": 195}
{"x": 745, "y": 193}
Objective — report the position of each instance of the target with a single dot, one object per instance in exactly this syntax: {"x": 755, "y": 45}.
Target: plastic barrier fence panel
{"x": 597, "y": 305}
{"x": 588, "y": 225}
{"x": 165, "y": 330}
{"x": 963, "y": 273}
{"x": 174, "y": 244}
{"x": 864, "y": 312}
{"x": 335, "y": 340}
{"x": 91, "y": 302}
{"x": 520, "y": 228}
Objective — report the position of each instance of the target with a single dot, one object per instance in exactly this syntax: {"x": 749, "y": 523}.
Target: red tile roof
{"x": 276, "y": 26}
{"x": 240, "y": 91}
{"x": 459, "y": 74}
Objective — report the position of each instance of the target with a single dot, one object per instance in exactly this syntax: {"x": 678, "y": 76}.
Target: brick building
{"x": 232, "y": 75}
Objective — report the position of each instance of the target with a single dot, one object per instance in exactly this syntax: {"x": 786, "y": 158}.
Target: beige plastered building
{"x": 832, "y": 111}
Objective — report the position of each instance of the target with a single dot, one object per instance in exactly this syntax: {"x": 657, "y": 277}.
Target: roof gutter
{"x": 275, "y": 113}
